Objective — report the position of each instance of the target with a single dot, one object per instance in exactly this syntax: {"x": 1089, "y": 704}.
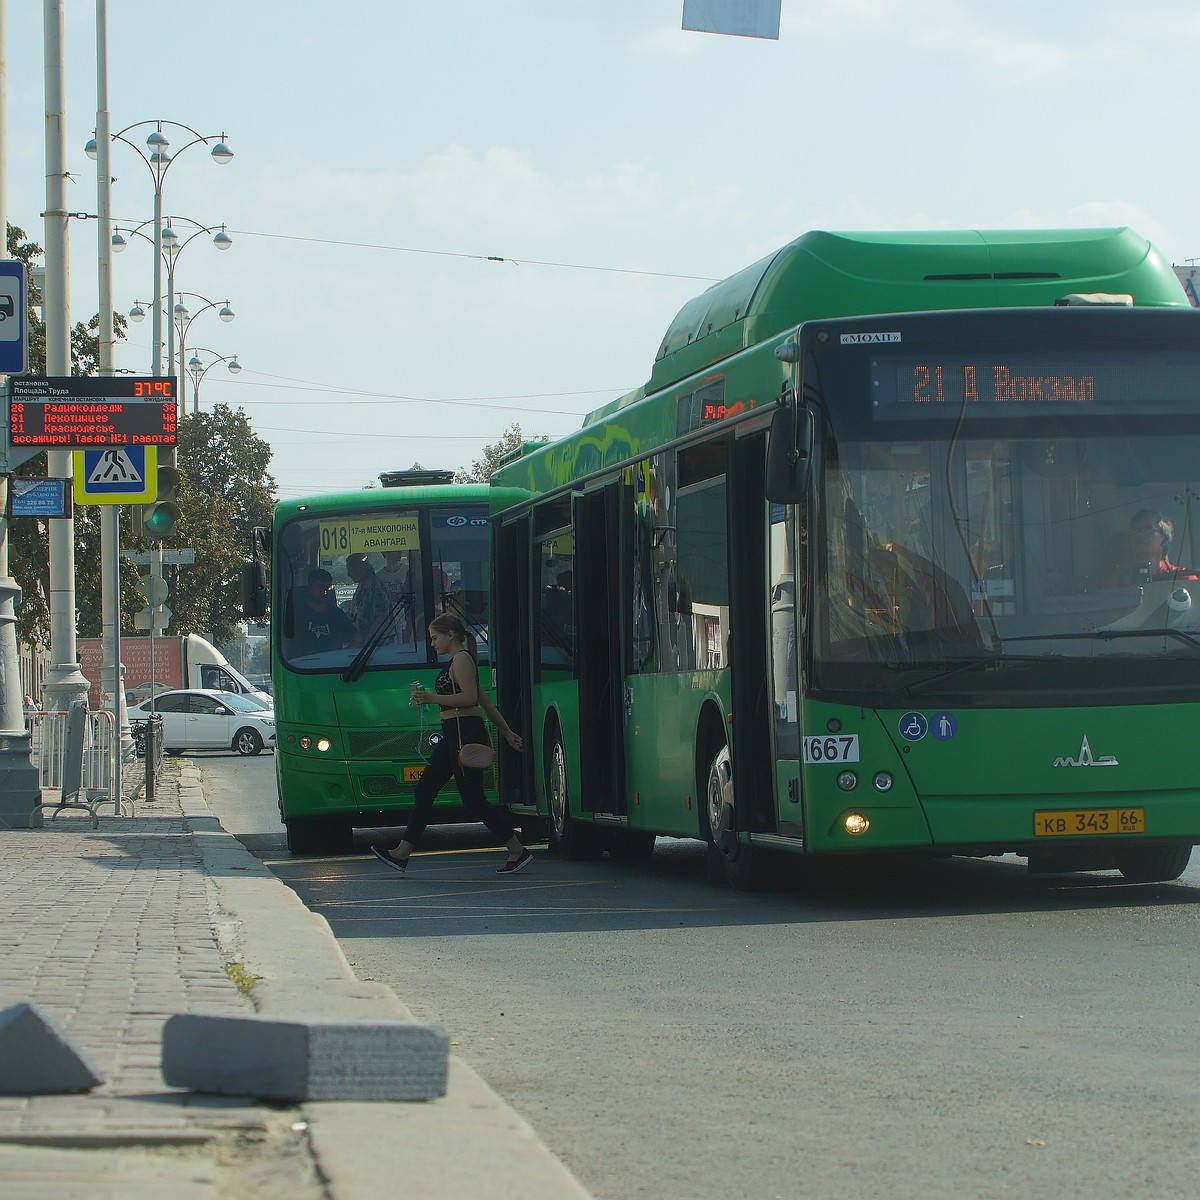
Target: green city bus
{"x": 863, "y": 567}
{"x": 349, "y": 744}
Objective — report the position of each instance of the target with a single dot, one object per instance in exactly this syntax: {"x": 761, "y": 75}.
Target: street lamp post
{"x": 158, "y": 160}
{"x": 185, "y": 319}
{"x": 199, "y": 368}
{"x": 172, "y": 247}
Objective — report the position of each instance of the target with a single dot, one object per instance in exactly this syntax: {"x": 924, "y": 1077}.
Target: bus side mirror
{"x": 789, "y": 454}
{"x": 254, "y": 591}
{"x": 260, "y": 543}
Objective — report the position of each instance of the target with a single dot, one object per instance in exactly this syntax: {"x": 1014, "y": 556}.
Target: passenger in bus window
{"x": 1143, "y": 553}
{"x": 459, "y": 698}
{"x": 394, "y": 575}
{"x": 371, "y": 603}
{"x": 319, "y": 623}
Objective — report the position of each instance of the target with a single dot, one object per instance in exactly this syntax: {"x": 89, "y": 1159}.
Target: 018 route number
{"x": 839, "y": 748}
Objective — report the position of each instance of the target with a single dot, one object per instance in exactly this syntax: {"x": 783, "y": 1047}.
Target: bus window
{"x": 697, "y": 609}
{"x": 382, "y": 571}
{"x": 556, "y": 622}
{"x": 459, "y": 557}
{"x": 784, "y": 651}
{"x": 649, "y": 525}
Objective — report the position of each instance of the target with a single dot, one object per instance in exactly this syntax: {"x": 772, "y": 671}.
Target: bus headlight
{"x": 882, "y": 782}
{"x": 856, "y": 823}
{"x": 847, "y": 781}
{"x": 323, "y": 745}
{"x": 306, "y": 742}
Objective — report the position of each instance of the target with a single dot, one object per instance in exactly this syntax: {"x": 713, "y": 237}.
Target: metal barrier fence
{"x": 148, "y": 744}
{"x": 52, "y": 752}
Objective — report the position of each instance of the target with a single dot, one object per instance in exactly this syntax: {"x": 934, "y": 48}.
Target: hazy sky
{"x": 385, "y": 151}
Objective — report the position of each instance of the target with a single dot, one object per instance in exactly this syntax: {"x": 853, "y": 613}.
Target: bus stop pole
{"x": 20, "y": 783}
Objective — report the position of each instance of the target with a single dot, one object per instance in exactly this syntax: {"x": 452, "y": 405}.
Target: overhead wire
{"x": 464, "y": 254}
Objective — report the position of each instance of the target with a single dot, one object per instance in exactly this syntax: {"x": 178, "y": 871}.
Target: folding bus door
{"x": 749, "y": 609}
{"x": 509, "y": 635}
{"x": 600, "y": 570}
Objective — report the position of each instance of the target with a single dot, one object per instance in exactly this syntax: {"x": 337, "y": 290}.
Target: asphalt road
{"x": 956, "y": 1029}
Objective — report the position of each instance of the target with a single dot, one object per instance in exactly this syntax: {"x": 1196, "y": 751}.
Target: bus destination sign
{"x": 76, "y": 412}
{"x": 1027, "y": 382}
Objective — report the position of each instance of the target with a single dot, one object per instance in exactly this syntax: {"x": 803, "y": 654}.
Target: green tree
{"x": 481, "y": 469}
{"x": 28, "y": 548}
{"x": 226, "y": 491}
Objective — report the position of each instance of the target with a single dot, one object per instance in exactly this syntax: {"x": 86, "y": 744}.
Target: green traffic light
{"x": 161, "y": 516}
{"x": 161, "y": 519}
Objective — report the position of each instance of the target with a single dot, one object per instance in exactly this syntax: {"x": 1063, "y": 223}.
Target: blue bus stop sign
{"x": 14, "y": 343}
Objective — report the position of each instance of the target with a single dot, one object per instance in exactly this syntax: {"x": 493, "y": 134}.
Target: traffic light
{"x": 160, "y": 517}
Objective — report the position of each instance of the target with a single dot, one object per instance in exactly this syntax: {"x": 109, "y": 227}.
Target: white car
{"x": 204, "y": 719}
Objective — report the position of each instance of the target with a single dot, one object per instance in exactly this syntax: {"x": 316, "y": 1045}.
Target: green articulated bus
{"x": 894, "y": 552}
{"x": 355, "y": 579}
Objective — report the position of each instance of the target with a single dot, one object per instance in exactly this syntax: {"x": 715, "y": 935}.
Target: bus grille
{"x": 382, "y": 785}
{"x": 387, "y": 743}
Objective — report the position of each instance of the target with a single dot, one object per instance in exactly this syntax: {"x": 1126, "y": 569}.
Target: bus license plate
{"x": 1085, "y": 821}
{"x": 412, "y": 774}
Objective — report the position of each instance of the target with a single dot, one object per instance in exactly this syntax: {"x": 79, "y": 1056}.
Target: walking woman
{"x": 458, "y": 694}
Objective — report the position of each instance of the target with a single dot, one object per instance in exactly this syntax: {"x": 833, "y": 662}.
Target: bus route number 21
{"x": 840, "y": 749}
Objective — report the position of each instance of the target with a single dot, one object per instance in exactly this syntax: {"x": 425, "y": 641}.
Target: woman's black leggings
{"x": 443, "y": 763}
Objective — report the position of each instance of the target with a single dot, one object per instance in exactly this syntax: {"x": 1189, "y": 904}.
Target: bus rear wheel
{"x": 728, "y": 858}
{"x": 1152, "y": 864}
{"x": 568, "y": 837}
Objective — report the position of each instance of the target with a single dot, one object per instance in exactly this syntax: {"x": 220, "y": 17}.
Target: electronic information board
{"x": 74, "y": 412}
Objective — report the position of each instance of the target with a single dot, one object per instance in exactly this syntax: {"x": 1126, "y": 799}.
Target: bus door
{"x": 750, "y": 636}
{"x": 599, "y": 593}
{"x": 511, "y": 655}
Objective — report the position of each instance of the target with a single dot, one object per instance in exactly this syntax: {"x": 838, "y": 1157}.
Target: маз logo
{"x": 1087, "y": 758}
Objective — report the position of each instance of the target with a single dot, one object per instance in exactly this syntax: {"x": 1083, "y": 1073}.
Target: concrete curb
{"x": 469, "y": 1143}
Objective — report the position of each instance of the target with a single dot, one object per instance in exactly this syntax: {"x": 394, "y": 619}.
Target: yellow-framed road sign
{"x": 116, "y": 475}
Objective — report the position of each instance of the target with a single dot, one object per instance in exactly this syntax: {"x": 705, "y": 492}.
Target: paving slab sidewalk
{"x": 112, "y": 930}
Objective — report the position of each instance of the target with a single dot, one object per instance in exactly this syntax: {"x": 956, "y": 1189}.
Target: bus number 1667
{"x": 842, "y": 749}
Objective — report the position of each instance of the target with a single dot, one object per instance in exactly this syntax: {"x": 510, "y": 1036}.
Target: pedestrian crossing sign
{"x": 116, "y": 475}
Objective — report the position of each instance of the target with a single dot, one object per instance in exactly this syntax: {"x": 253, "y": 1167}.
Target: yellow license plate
{"x": 1081, "y": 822}
{"x": 412, "y": 774}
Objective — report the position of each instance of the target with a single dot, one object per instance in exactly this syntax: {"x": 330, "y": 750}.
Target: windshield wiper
{"x": 982, "y": 660}
{"x": 1107, "y": 635}
{"x": 359, "y": 663}
{"x": 452, "y": 603}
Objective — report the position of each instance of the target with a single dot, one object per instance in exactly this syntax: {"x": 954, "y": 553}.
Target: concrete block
{"x": 305, "y": 1059}
{"x": 37, "y": 1057}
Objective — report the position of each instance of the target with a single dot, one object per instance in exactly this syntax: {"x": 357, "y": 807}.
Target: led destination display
{"x": 77, "y": 412}
{"x": 1026, "y": 383}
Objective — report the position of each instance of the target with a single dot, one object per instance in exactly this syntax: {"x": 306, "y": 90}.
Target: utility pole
{"x": 112, "y": 675}
{"x": 64, "y": 681}
{"x": 20, "y": 785}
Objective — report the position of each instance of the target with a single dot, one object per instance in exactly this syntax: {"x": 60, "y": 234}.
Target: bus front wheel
{"x": 728, "y": 858}
{"x": 568, "y": 837}
{"x": 1152, "y": 864}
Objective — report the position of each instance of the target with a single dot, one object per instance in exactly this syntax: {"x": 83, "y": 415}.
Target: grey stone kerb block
{"x": 294, "y": 1060}
{"x": 38, "y": 1059}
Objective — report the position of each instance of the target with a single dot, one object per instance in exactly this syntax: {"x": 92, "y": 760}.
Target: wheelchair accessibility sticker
{"x": 913, "y": 726}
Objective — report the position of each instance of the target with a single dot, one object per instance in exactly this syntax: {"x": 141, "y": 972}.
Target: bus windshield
{"x": 979, "y": 568}
{"x": 374, "y": 579}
